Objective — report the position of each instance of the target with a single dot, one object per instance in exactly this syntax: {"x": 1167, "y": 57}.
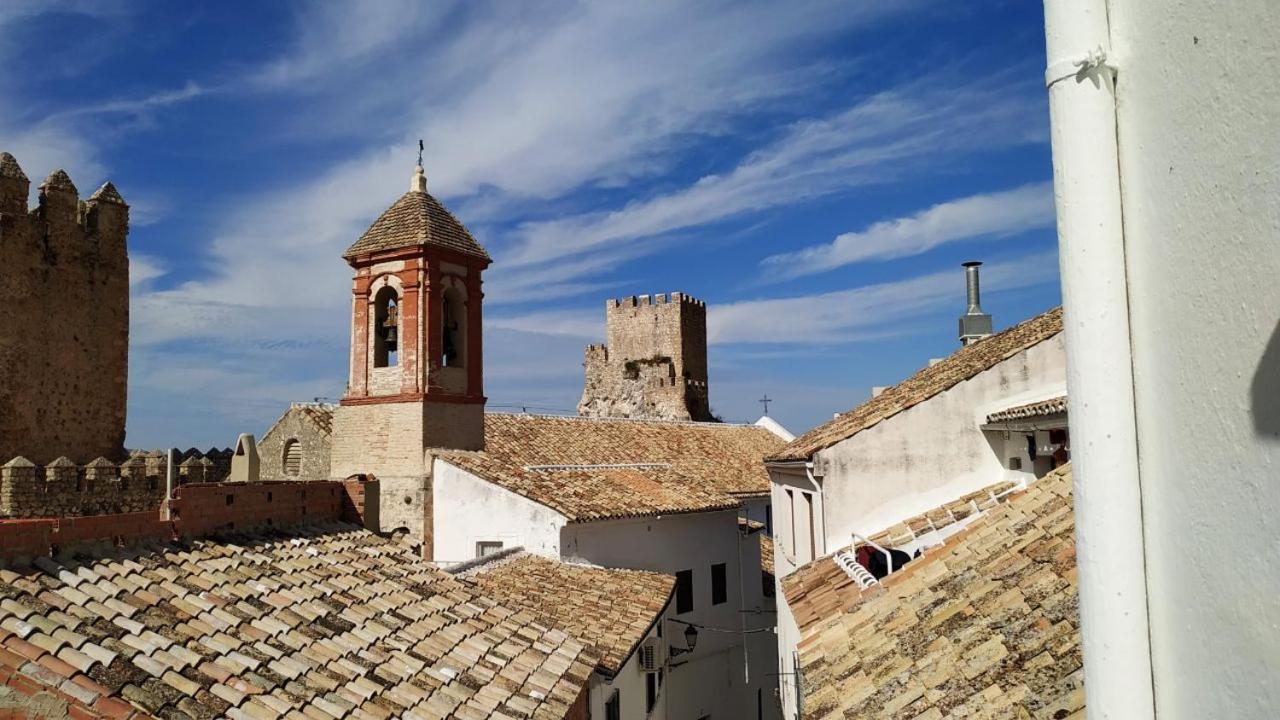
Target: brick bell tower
{"x": 416, "y": 379}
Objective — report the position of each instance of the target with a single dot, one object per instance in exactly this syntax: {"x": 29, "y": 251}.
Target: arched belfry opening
{"x": 386, "y": 328}
{"x": 453, "y": 328}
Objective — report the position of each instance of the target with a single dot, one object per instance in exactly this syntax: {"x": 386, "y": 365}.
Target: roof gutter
{"x": 1108, "y": 501}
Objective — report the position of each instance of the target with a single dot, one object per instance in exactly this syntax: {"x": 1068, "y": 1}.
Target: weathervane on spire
{"x": 419, "y": 152}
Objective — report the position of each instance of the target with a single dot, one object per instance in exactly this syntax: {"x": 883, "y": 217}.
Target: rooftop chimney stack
{"x": 974, "y": 324}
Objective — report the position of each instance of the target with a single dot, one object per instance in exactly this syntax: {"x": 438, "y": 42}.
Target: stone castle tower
{"x": 64, "y": 319}
{"x": 654, "y": 363}
{"x": 416, "y": 379}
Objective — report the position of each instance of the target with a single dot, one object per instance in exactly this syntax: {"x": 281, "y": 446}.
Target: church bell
{"x": 389, "y": 328}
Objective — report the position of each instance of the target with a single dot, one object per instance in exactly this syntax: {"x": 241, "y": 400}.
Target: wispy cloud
{"x": 851, "y": 315}
{"x": 996, "y": 214}
{"x": 888, "y": 137}
{"x": 863, "y": 312}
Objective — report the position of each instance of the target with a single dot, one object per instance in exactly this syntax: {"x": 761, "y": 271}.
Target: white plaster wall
{"x": 786, "y": 556}
{"x": 1199, "y": 102}
{"x": 467, "y": 510}
{"x": 631, "y": 687}
{"x": 931, "y": 453}
{"x": 717, "y": 679}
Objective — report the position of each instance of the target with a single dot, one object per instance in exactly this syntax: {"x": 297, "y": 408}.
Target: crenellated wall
{"x": 198, "y": 510}
{"x": 654, "y": 364}
{"x": 61, "y": 488}
{"x": 64, "y": 300}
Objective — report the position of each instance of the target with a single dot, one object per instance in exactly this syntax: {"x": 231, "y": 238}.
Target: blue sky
{"x": 815, "y": 171}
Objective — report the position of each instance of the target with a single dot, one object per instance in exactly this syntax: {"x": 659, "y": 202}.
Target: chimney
{"x": 974, "y": 324}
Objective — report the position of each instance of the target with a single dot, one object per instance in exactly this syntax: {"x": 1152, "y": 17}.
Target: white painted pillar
{"x": 1104, "y": 449}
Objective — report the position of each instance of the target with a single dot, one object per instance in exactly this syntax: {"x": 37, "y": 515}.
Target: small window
{"x": 485, "y": 548}
{"x": 1015, "y": 463}
{"x": 791, "y": 513}
{"x": 453, "y": 329}
{"x": 650, "y": 691}
{"x": 292, "y": 458}
{"x": 684, "y": 591}
{"x": 813, "y": 531}
{"x": 768, "y": 520}
{"x": 613, "y": 708}
{"x": 386, "y": 328}
{"x": 719, "y": 584}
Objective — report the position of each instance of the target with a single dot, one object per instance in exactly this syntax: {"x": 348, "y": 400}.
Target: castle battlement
{"x": 634, "y": 301}
{"x": 61, "y": 488}
{"x": 654, "y": 363}
{"x": 64, "y": 341}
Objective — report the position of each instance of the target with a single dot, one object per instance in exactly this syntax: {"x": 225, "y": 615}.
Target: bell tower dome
{"x": 416, "y": 379}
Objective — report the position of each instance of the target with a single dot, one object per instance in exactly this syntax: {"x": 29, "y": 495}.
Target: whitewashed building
{"x": 1165, "y": 152}
{"x": 661, "y": 496}
{"x": 990, "y": 416}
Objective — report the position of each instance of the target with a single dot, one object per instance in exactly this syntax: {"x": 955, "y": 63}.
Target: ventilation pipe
{"x": 974, "y": 324}
{"x": 1104, "y": 456}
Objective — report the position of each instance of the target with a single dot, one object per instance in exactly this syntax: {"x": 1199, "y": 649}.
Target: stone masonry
{"x": 64, "y": 327}
{"x": 61, "y": 488}
{"x": 654, "y": 364}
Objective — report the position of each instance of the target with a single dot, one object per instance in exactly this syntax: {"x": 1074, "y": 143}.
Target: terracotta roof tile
{"x": 416, "y": 219}
{"x": 819, "y": 589}
{"x": 597, "y": 493}
{"x": 962, "y": 365}
{"x": 320, "y": 415}
{"x": 385, "y": 632}
{"x": 610, "y": 610}
{"x": 1043, "y": 408}
{"x": 987, "y": 625}
{"x": 722, "y": 457}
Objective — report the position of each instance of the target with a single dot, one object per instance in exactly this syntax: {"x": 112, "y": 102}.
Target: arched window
{"x": 453, "y": 329}
{"x": 292, "y": 460}
{"x": 386, "y": 327}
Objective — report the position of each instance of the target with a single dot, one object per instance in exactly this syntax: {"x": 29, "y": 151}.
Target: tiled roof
{"x": 721, "y": 457}
{"x": 962, "y": 365}
{"x": 1043, "y": 408}
{"x": 330, "y": 620}
{"x": 819, "y": 589}
{"x": 416, "y": 219}
{"x": 610, "y": 610}
{"x": 320, "y": 415}
{"x": 596, "y": 493}
{"x": 985, "y": 626}
{"x": 766, "y": 553}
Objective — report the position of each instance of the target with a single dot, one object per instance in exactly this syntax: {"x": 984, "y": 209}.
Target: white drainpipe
{"x": 1108, "y": 500}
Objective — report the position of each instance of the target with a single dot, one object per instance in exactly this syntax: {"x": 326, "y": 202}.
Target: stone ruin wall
{"x": 62, "y": 488}
{"x": 654, "y": 365}
{"x": 64, "y": 295}
{"x": 313, "y": 442}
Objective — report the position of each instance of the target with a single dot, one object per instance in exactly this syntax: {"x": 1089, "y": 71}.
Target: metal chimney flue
{"x": 974, "y": 324}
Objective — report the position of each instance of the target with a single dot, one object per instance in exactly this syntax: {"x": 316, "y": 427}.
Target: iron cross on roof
{"x": 765, "y": 401}
{"x": 419, "y": 152}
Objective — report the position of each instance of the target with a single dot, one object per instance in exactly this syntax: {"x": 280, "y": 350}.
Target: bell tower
{"x": 416, "y": 379}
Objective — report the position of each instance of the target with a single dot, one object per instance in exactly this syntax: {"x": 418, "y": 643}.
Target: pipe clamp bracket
{"x": 1080, "y": 67}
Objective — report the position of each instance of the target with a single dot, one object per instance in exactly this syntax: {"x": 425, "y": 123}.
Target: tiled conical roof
{"x": 417, "y": 219}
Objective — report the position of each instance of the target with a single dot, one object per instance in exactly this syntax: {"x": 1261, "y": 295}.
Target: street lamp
{"x": 690, "y": 640}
